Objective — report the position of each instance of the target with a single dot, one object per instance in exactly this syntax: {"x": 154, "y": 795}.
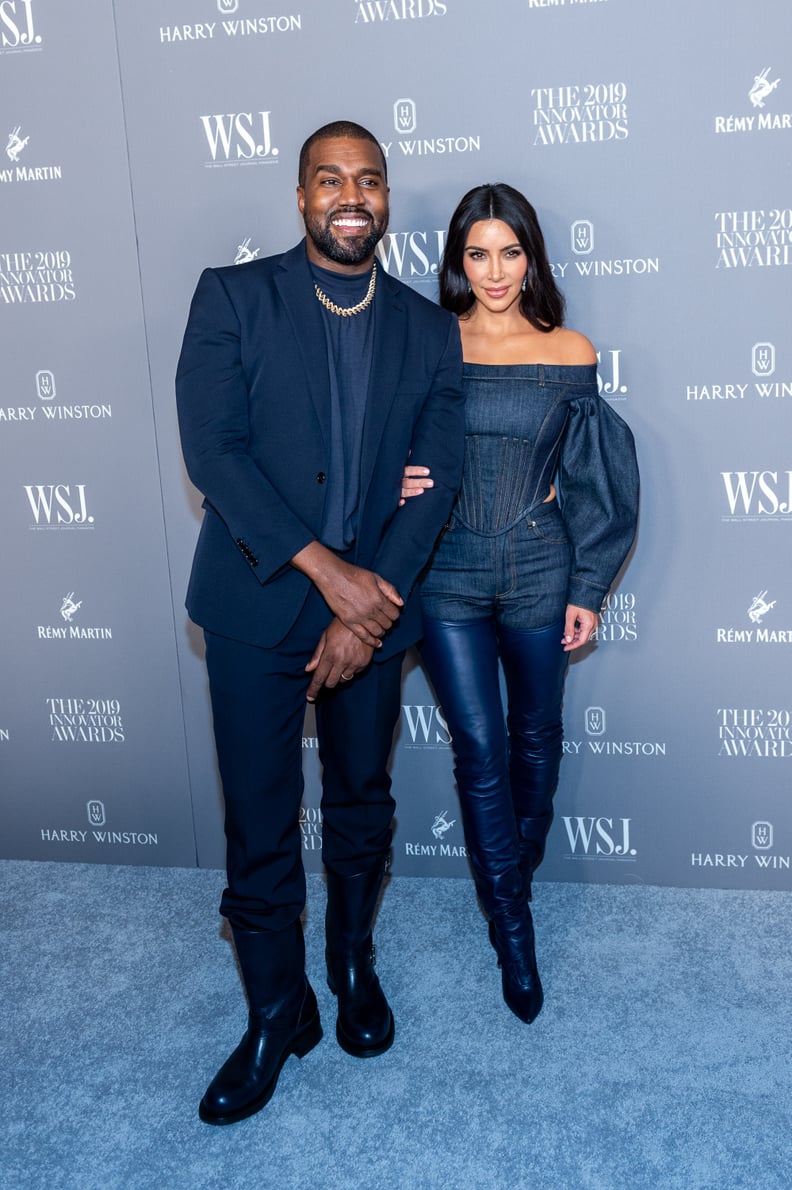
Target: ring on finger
{"x": 347, "y": 677}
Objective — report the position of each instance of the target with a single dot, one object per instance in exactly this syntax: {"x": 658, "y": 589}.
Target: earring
{"x": 525, "y": 283}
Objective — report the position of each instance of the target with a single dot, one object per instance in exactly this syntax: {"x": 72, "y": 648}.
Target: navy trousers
{"x": 258, "y": 704}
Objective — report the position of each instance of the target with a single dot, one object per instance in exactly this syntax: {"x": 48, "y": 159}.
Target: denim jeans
{"x": 519, "y": 577}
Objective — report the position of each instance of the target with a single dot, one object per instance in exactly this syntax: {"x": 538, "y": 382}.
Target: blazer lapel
{"x": 390, "y": 337}
{"x": 295, "y": 286}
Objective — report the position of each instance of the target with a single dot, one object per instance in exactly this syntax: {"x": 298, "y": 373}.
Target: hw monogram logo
{"x": 582, "y": 235}
{"x": 226, "y": 7}
{"x": 763, "y": 359}
{"x": 96, "y": 813}
{"x": 595, "y": 721}
{"x": 45, "y": 385}
{"x": 404, "y": 115}
{"x": 762, "y": 835}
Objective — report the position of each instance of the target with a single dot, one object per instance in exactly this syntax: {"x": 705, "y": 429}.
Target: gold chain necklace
{"x": 347, "y": 312}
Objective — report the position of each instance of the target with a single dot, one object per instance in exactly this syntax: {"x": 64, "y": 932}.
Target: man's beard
{"x": 346, "y": 251}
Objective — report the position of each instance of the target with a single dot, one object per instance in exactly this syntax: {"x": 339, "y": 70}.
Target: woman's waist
{"x": 491, "y": 526}
{"x": 502, "y": 480}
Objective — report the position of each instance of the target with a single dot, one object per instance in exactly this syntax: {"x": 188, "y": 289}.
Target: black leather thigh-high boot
{"x": 463, "y": 664}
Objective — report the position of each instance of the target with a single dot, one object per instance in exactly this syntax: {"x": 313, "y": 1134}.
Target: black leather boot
{"x": 531, "y": 838}
{"x": 283, "y": 1020}
{"x": 514, "y": 944}
{"x": 365, "y": 1022}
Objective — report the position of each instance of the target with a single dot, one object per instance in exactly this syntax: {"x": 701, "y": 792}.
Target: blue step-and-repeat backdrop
{"x": 142, "y": 141}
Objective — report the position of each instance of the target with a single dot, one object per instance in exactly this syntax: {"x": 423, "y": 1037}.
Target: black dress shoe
{"x": 247, "y": 1080}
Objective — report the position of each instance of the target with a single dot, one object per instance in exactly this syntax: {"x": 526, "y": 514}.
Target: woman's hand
{"x": 578, "y": 628}
{"x": 414, "y": 482}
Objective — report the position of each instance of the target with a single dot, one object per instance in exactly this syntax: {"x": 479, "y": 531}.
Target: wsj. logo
{"x": 226, "y": 7}
{"x": 759, "y": 608}
{"x": 413, "y": 254}
{"x": 762, "y": 87}
{"x": 763, "y": 359}
{"x": 56, "y": 504}
{"x": 612, "y": 386}
{"x": 758, "y": 493}
{"x": 96, "y": 813}
{"x": 404, "y": 116}
{"x": 597, "y": 837}
{"x": 595, "y": 721}
{"x": 15, "y": 144}
{"x": 69, "y": 608}
{"x": 441, "y": 825}
{"x": 244, "y": 253}
{"x": 16, "y": 25}
{"x": 762, "y": 836}
{"x": 582, "y": 236}
{"x": 240, "y": 136}
{"x": 426, "y": 726}
{"x": 45, "y": 385}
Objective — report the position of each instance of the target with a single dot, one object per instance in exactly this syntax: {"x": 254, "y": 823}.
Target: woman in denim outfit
{"x": 543, "y": 521}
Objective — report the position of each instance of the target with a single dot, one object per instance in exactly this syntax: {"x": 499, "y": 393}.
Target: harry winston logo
{"x": 404, "y": 115}
{"x": 595, "y": 721}
{"x": 96, "y": 813}
{"x": 582, "y": 236}
{"x": 763, "y": 359}
{"x": 226, "y": 7}
{"x": 762, "y": 835}
{"x": 45, "y": 385}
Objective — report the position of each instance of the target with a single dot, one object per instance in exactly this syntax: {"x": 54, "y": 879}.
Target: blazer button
{"x": 320, "y": 477}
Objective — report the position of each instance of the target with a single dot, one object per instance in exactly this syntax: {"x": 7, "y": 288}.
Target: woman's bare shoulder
{"x": 573, "y": 348}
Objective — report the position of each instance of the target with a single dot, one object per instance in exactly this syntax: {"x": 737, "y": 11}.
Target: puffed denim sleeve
{"x": 598, "y": 492}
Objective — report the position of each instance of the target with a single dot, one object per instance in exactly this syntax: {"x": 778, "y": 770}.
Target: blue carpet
{"x": 661, "y": 1059}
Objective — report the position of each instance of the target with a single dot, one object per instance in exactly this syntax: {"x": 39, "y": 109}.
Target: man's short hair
{"x": 338, "y": 128}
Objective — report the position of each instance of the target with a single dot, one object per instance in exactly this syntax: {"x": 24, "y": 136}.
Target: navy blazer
{"x": 253, "y": 396}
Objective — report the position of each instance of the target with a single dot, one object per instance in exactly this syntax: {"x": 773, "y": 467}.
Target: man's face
{"x": 344, "y": 203}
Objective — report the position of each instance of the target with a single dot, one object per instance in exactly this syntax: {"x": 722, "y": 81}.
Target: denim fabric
{"x": 505, "y": 551}
{"x": 520, "y": 576}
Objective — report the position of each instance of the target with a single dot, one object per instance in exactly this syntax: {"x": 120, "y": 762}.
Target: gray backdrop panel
{"x": 659, "y": 165}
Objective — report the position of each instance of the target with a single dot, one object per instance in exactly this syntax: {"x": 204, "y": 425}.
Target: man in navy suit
{"x": 304, "y": 383}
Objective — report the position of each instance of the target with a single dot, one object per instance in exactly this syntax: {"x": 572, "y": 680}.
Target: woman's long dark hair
{"x": 542, "y": 302}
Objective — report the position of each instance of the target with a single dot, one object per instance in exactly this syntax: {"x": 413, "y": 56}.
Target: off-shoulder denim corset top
{"x": 516, "y": 419}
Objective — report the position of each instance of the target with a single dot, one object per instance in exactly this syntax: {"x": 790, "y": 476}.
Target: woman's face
{"x": 494, "y": 264}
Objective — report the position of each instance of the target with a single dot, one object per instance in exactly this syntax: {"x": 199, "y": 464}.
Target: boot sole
{"x": 302, "y": 1044}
